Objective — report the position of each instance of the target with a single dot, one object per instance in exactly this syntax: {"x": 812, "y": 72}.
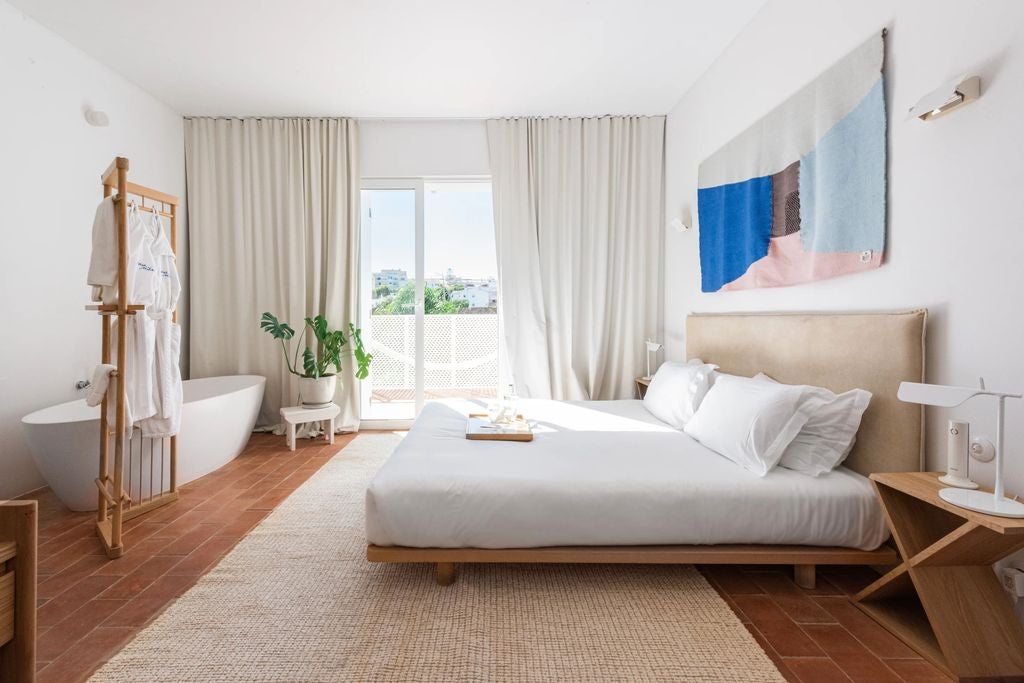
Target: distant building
{"x": 394, "y": 279}
{"x": 478, "y": 295}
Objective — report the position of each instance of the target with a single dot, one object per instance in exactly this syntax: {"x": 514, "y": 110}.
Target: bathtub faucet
{"x": 82, "y": 384}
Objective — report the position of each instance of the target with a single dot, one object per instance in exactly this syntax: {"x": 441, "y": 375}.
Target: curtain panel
{"x": 578, "y": 215}
{"x": 273, "y": 217}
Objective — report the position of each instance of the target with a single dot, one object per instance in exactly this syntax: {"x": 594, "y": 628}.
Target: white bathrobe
{"x": 153, "y": 392}
{"x": 141, "y": 278}
{"x": 166, "y": 372}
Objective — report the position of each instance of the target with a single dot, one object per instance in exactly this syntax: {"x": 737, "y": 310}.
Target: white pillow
{"x": 751, "y": 422}
{"x": 828, "y": 436}
{"x": 676, "y": 391}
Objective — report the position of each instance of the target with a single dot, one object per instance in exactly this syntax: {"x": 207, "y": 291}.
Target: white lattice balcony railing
{"x": 460, "y": 352}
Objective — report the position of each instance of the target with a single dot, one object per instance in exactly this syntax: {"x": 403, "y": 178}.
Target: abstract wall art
{"x": 800, "y": 195}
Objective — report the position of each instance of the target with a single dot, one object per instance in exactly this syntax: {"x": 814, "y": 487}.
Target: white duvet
{"x": 600, "y": 473}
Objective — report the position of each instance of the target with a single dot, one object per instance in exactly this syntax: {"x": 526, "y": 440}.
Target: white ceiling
{"x": 403, "y": 58}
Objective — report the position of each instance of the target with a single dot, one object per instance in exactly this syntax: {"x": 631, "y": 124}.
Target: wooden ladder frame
{"x": 115, "y": 505}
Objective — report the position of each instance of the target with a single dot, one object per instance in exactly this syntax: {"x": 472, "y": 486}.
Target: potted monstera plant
{"x": 316, "y": 383}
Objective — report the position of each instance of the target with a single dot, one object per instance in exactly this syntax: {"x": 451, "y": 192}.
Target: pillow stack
{"x": 757, "y": 422}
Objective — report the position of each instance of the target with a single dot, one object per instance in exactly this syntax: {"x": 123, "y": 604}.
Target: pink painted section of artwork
{"x": 788, "y": 264}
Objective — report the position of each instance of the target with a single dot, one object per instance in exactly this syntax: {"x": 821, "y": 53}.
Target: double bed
{"x": 605, "y": 481}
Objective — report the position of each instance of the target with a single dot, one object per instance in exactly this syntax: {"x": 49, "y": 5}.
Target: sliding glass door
{"x": 429, "y": 294}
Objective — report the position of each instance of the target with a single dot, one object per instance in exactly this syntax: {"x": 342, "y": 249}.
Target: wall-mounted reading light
{"x": 950, "y": 96}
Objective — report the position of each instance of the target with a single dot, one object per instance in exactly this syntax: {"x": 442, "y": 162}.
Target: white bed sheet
{"x": 600, "y": 473}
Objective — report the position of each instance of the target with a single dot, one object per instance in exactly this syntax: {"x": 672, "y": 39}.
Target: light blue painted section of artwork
{"x": 842, "y": 182}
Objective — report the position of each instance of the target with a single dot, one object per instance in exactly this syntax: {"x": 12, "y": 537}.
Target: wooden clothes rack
{"x": 115, "y": 504}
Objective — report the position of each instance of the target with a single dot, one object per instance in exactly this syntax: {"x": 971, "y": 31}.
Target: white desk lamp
{"x": 652, "y": 347}
{"x": 995, "y": 503}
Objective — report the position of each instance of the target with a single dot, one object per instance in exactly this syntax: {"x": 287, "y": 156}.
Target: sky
{"x": 458, "y": 230}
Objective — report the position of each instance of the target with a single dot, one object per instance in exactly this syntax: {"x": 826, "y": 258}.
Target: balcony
{"x": 460, "y": 357}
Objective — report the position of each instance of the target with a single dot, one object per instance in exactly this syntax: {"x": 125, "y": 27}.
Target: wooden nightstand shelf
{"x": 641, "y": 385}
{"x": 944, "y": 600}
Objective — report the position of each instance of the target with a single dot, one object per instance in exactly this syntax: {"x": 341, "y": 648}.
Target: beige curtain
{"x": 273, "y": 218}
{"x": 578, "y": 216}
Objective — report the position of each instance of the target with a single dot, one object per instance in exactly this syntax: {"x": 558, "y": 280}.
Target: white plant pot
{"x": 317, "y": 392}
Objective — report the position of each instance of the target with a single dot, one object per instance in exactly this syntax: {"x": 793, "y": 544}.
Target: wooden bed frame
{"x": 840, "y": 351}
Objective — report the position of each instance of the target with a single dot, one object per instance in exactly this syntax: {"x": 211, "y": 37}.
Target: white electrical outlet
{"x": 1013, "y": 581}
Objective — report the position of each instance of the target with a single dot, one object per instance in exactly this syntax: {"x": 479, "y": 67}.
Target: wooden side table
{"x": 297, "y": 415}
{"x": 641, "y": 385}
{"x": 944, "y": 600}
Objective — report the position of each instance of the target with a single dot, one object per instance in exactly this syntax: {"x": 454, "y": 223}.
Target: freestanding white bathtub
{"x": 218, "y": 416}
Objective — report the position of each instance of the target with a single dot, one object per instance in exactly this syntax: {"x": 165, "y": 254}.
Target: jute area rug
{"x": 296, "y": 600}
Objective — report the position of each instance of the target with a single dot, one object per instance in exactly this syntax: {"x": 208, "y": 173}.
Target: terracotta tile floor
{"x": 817, "y": 635}
{"x": 89, "y": 607}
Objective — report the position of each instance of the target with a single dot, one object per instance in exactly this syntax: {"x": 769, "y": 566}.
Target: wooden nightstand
{"x": 944, "y": 600}
{"x": 641, "y": 385}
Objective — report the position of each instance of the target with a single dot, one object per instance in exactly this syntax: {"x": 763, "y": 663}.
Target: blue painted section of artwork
{"x": 735, "y": 228}
{"x": 842, "y": 182}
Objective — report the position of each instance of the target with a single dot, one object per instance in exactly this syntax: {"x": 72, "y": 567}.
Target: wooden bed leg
{"x": 803, "y": 574}
{"x": 445, "y": 573}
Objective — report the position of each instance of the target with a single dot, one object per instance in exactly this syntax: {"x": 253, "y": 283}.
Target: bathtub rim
{"x": 84, "y": 413}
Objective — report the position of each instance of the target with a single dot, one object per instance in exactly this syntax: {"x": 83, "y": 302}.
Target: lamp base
{"x": 959, "y": 482}
{"x": 981, "y": 501}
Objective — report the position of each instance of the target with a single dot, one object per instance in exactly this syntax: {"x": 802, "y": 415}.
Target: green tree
{"x": 436, "y": 301}
{"x": 381, "y": 292}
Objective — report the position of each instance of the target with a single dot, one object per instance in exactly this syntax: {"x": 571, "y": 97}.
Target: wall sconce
{"x": 683, "y": 222}
{"x": 948, "y": 97}
{"x": 97, "y": 118}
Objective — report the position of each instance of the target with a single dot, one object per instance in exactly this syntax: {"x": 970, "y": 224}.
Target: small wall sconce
{"x": 683, "y": 222}
{"x": 948, "y": 97}
{"x": 97, "y": 118}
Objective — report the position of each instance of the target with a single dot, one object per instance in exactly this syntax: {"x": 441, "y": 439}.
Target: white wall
{"x": 411, "y": 149}
{"x": 955, "y": 240}
{"x": 49, "y": 188}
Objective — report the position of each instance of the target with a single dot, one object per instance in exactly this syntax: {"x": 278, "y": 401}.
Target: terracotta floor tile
{"x": 134, "y": 584}
{"x": 917, "y": 671}
{"x": 60, "y": 607}
{"x": 84, "y": 656}
{"x": 56, "y": 641}
{"x": 865, "y": 668}
{"x": 192, "y": 540}
{"x": 816, "y": 670}
{"x": 200, "y": 560}
{"x": 135, "y": 556}
{"x": 849, "y": 579}
{"x": 270, "y": 500}
{"x": 732, "y": 580}
{"x": 55, "y": 584}
{"x": 244, "y": 523}
{"x": 779, "y": 663}
{"x": 778, "y": 629}
{"x": 137, "y": 611}
{"x": 878, "y": 640}
{"x": 168, "y": 587}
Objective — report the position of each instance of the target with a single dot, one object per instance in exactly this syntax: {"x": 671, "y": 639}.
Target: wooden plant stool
{"x": 296, "y": 415}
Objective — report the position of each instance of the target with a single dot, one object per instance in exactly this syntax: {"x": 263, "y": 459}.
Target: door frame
{"x": 416, "y": 185}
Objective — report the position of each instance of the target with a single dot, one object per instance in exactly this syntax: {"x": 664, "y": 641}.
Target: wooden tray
{"x": 480, "y": 428}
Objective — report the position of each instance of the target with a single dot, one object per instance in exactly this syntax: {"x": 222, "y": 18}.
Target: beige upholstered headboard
{"x": 839, "y": 351}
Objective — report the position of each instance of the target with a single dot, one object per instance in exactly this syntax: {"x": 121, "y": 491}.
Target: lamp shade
{"x": 935, "y": 394}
